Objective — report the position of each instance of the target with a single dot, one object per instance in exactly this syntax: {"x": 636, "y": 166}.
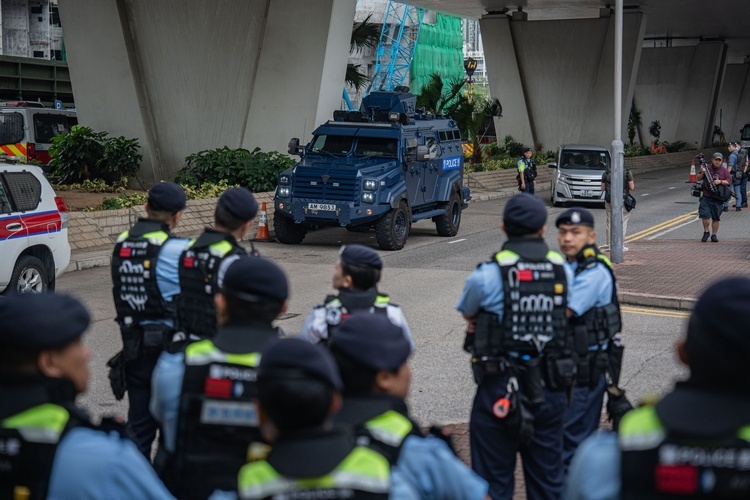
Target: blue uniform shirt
{"x": 167, "y": 277}
{"x": 591, "y": 288}
{"x": 166, "y": 387}
{"x": 91, "y": 464}
{"x": 594, "y": 473}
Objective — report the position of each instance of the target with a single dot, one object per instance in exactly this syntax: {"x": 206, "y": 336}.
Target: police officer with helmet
{"x": 694, "y": 441}
{"x": 299, "y": 391}
{"x": 204, "y": 262}
{"x": 49, "y": 448}
{"x": 594, "y": 315}
{"x": 145, "y": 283}
{"x": 205, "y": 397}
{"x": 515, "y": 308}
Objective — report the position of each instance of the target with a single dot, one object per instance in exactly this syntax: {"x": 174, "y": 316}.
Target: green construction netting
{"x": 439, "y": 50}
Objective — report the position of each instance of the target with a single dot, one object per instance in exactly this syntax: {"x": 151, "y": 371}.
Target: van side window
{"x": 25, "y": 190}
{"x": 11, "y": 128}
{"x": 47, "y": 126}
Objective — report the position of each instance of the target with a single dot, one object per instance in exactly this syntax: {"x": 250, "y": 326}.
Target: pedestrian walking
{"x": 204, "y": 397}
{"x": 355, "y": 277}
{"x": 49, "y": 447}
{"x": 594, "y": 315}
{"x": 628, "y": 185}
{"x": 515, "y": 307}
{"x": 145, "y": 283}
{"x": 526, "y": 172}
{"x": 692, "y": 443}
{"x": 711, "y": 202}
{"x": 737, "y": 169}
{"x": 372, "y": 356}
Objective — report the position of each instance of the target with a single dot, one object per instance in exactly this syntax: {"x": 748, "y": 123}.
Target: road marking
{"x": 660, "y": 227}
{"x": 673, "y": 187}
{"x": 644, "y": 194}
{"x": 672, "y": 229}
{"x": 655, "y": 312}
{"x": 456, "y": 241}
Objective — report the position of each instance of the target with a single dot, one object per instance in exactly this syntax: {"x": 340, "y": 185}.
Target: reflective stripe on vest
{"x": 508, "y": 257}
{"x": 390, "y": 428}
{"x": 41, "y": 424}
{"x": 640, "y": 429}
{"x": 363, "y": 470}
{"x": 204, "y": 352}
{"x": 157, "y": 238}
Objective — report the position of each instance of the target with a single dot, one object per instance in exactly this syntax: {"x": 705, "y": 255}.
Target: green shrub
{"x": 500, "y": 163}
{"x": 123, "y": 200}
{"x": 491, "y": 149}
{"x": 512, "y": 148}
{"x": 206, "y": 190}
{"x": 637, "y": 151}
{"x": 677, "y": 146}
{"x": 95, "y": 186}
{"x": 254, "y": 169}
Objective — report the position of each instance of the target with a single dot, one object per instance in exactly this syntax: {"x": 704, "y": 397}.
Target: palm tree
{"x": 634, "y": 121}
{"x": 364, "y": 35}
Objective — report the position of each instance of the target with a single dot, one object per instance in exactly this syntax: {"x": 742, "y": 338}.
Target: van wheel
{"x": 29, "y": 276}
{"x": 448, "y": 224}
{"x": 287, "y": 231}
{"x": 392, "y": 229}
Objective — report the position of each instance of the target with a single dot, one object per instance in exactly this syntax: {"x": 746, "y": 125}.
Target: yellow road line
{"x": 655, "y": 312}
{"x": 661, "y": 227}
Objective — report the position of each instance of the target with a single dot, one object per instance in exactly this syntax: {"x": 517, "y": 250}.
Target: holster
{"x": 599, "y": 365}
{"x": 520, "y": 420}
{"x": 117, "y": 375}
{"x": 614, "y": 358}
{"x": 531, "y": 381}
{"x": 560, "y": 370}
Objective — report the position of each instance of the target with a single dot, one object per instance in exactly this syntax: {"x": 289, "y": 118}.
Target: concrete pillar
{"x": 555, "y": 78}
{"x": 301, "y": 70}
{"x": 733, "y": 110}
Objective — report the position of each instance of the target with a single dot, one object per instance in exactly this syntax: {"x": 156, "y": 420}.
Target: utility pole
{"x": 618, "y": 151}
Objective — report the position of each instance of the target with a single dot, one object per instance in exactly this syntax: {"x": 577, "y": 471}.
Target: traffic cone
{"x": 693, "y": 176}
{"x": 262, "y": 234}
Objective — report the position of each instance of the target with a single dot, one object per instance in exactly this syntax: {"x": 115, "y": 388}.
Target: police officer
{"x": 204, "y": 397}
{"x": 299, "y": 391}
{"x": 526, "y": 172}
{"x": 515, "y": 308}
{"x": 693, "y": 442}
{"x": 204, "y": 262}
{"x": 145, "y": 282}
{"x": 355, "y": 276}
{"x": 372, "y": 353}
{"x": 48, "y": 446}
{"x": 594, "y": 314}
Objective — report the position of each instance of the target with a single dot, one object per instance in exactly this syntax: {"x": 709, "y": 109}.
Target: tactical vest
{"x": 336, "y": 312}
{"x": 217, "y": 421}
{"x": 136, "y": 293}
{"x": 656, "y": 464}
{"x": 199, "y": 275}
{"x": 534, "y": 308}
{"x": 603, "y": 322}
{"x": 529, "y": 172}
{"x": 387, "y": 433}
{"x": 363, "y": 473}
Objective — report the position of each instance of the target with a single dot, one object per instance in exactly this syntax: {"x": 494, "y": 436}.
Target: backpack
{"x": 739, "y": 169}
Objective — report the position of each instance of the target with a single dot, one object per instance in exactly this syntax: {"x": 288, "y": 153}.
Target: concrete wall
{"x": 555, "y": 78}
{"x": 734, "y": 101}
{"x": 15, "y": 34}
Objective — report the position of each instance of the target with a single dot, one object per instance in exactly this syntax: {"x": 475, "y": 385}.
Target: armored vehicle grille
{"x": 329, "y": 184}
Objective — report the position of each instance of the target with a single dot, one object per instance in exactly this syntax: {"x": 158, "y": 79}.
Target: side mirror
{"x": 423, "y": 153}
{"x": 294, "y": 148}
{"x": 552, "y": 164}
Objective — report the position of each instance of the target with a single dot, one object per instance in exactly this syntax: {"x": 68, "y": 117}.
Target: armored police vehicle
{"x": 383, "y": 167}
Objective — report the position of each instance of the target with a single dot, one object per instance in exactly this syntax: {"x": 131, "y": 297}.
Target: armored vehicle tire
{"x": 392, "y": 229}
{"x": 448, "y": 224}
{"x": 287, "y": 231}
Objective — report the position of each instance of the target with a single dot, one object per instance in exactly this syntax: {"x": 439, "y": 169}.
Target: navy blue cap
{"x": 524, "y": 212}
{"x": 293, "y": 355}
{"x": 240, "y": 202}
{"x": 360, "y": 255}
{"x": 166, "y": 196}
{"x": 254, "y": 278}
{"x": 576, "y": 216}
{"x": 371, "y": 340}
{"x": 527, "y": 150}
{"x": 37, "y": 321}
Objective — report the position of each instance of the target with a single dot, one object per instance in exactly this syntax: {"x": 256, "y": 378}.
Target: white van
{"x": 578, "y": 174}
{"x": 27, "y": 128}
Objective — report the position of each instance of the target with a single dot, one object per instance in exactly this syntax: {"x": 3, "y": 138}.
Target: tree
{"x": 634, "y": 121}
{"x": 364, "y": 35}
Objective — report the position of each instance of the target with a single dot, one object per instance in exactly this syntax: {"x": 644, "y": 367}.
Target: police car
{"x": 34, "y": 247}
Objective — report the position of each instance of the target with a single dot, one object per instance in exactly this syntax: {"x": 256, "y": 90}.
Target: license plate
{"x": 587, "y": 193}
{"x": 322, "y": 206}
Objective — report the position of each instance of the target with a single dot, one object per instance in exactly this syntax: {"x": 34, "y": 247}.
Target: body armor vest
{"x": 338, "y": 308}
{"x": 136, "y": 293}
{"x": 535, "y": 294}
{"x": 363, "y": 473}
{"x": 217, "y": 421}
{"x": 655, "y": 464}
{"x": 199, "y": 274}
{"x": 603, "y": 322}
{"x": 529, "y": 172}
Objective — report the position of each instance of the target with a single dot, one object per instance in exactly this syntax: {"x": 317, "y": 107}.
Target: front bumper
{"x": 345, "y": 214}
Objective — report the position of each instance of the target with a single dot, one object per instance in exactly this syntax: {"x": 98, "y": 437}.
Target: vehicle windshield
{"x": 376, "y": 146}
{"x": 11, "y": 128}
{"x": 745, "y": 133}
{"x": 336, "y": 144}
{"x": 584, "y": 160}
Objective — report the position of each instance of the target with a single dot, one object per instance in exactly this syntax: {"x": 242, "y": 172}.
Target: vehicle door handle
{"x": 14, "y": 227}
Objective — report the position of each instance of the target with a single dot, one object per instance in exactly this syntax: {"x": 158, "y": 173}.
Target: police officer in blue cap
{"x": 594, "y": 314}
{"x": 204, "y": 262}
{"x": 299, "y": 391}
{"x": 204, "y": 397}
{"x": 515, "y": 308}
{"x": 145, "y": 283}
{"x": 355, "y": 276}
{"x": 372, "y": 356}
{"x": 49, "y": 448}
